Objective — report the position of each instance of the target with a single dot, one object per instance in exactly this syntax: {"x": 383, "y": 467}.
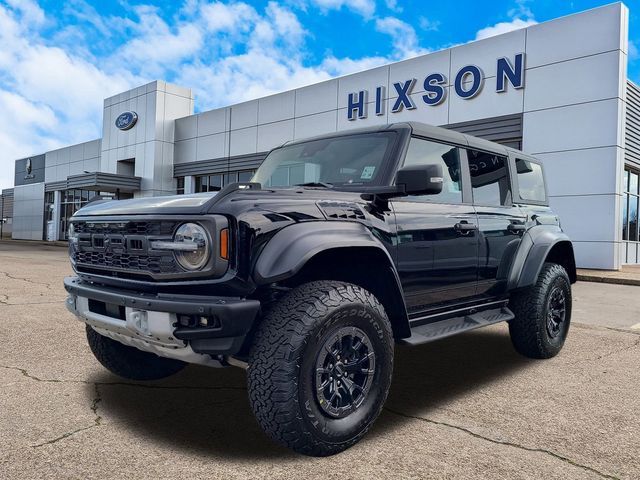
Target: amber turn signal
{"x": 224, "y": 243}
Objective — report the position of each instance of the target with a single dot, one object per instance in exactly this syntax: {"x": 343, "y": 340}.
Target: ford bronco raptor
{"x": 340, "y": 247}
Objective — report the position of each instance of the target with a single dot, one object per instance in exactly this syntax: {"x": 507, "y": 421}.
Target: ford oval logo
{"x": 126, "y": 120}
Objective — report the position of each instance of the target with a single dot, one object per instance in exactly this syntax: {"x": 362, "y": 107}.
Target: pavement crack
{"x": 4, "y": 300}
{"x": 30, "y": 376}
{"x": 608, "y": 354}
{"x": 97, "y": 421}
{"x": 33, "y": 282}
{"x": 120, "y": 384}
{"x": 504, "y": 442}
{"x": 63, "y": 436}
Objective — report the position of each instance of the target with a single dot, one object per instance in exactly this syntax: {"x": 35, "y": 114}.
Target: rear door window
{"x": 530, "y": 181}
{"x": 489, "y": 178}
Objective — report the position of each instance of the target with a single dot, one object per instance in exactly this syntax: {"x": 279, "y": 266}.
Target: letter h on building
{"x": 357, "y": 106}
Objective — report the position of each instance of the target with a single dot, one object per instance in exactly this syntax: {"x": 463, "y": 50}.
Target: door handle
{"x": 464, "y": 227}
{"x": 516, "y": 228}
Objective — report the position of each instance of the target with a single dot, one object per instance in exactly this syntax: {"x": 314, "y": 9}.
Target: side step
{"x": 452, "y": 326}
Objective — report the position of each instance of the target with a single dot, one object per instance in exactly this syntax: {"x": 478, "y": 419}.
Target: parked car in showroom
{"x": 342, "y": 246}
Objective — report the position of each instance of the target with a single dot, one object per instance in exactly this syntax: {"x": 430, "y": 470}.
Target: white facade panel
{"x": 243, "y": 141}
{"x": 580, "y": 80}
{"x": 317, "y": 124}
{"x": 214, "y": 121}
{"x": 588, "y": 33}
{"x": 185, "y": 151}
{"x": 275, "y": 108}
{"x": 573, "y": 127}
{"x": 580, "y": 213}
{"x": 318, "y": 98}
{"x": 211, "y": 146}
{"x": 186, "y": 128}
{"x": 486, "y": 104}
{"x": 28, "y": 212}
{"x": 582, "y": 172}
{"x": 274, "y": 134}
{"x": 244, "y": 115}
{"x": 596, "y": 254}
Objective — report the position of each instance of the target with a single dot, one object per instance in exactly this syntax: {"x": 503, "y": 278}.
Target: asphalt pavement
{"x": 465, "y": 407}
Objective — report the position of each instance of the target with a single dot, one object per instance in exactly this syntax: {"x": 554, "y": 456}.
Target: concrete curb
{"x": 613, "y": 280}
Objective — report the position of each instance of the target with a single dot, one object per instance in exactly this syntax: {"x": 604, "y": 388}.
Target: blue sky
{"x": 58, "y": 60}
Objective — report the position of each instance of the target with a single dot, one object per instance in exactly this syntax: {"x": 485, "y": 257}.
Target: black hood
{"x": 224, "y": 202}
{"x": 174, "y": 204}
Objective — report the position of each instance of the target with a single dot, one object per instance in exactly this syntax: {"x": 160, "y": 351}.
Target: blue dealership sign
{"x": 467, "y": 83}
{"x": 126, "y": 120}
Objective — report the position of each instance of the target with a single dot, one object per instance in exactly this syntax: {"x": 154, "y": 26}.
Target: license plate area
{"x": 107, "y": 309}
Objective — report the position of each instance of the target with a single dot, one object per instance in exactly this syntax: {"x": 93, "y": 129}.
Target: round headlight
{"x": 195, "y": 253}
{"x": 71, "y": 234}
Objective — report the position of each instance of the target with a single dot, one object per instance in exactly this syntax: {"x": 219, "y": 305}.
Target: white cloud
{"x": 521, "y": 17}
{"x": 365, "y": 8}
{"x": 504, "y": 27}
{"x": 633, "y": 51}
{"x": 429, "y": 25}
{"x": 403, "y": 37}
{"x": 393, "y": 5}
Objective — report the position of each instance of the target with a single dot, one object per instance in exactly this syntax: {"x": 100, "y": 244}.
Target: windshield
{"x": 353, "y": 160}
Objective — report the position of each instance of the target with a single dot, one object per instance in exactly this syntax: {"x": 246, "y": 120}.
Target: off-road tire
{"x": 283, "y": 359}
{"x": 529, "y": 332}
{"x": 128, "y": 362}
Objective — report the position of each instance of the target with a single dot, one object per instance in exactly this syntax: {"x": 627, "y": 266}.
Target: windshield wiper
{"x": 314, "y": 184}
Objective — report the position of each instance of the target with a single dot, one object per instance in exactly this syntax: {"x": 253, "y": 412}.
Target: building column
{"x": 57, "y": 198}
{"x": 189, "y": 184}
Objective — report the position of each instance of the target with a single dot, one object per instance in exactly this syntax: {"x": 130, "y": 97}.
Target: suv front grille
{"x": 126, "y": 228}
{"x": 137, "y": 263}
{"x": 122, "y": 248}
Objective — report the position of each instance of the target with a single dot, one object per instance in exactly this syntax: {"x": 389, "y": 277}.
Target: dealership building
{"x": 557, "y": 90}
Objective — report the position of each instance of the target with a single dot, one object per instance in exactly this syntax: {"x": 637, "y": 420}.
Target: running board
{"x": 452, "y": 326}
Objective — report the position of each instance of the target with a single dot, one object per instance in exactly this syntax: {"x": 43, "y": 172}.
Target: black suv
{"x": 340, "y": 247}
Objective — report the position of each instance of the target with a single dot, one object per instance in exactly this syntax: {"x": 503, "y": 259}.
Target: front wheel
{"x": 542, "y": 314}
{"x": 320, "y": 367}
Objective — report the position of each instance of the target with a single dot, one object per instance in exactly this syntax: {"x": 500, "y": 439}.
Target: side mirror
{"x": 421, "y": 179}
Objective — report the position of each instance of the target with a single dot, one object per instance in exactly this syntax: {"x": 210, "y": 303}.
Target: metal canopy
{"x": 97, "y": 181}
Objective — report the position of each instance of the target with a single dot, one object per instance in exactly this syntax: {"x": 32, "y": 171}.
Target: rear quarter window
{"x": 530, "y": 181}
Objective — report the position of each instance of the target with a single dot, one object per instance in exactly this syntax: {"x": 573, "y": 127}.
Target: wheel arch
{"x": 539, "y": 245}
{"x": 342, "y": 251}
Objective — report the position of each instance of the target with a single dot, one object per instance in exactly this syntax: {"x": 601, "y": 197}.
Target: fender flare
{"x": 292, "y": 247}
{"x": 534, "y": 248}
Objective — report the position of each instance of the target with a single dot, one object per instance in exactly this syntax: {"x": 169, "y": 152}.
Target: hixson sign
{"x": 467, "y": 84}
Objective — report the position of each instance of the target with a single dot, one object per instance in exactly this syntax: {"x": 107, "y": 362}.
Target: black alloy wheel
{"x": 344, "y": 371}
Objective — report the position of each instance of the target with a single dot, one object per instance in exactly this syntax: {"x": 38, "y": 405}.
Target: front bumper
{"x": 150, "y": 322}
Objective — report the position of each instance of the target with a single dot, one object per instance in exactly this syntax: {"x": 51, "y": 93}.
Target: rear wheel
{"x": 320, "y": 367}
{"x": 128, "y": 362}
{"x": 542, "y": 314}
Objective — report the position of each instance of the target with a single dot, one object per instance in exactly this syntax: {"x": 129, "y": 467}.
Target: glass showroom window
{"x": 630, "y": 206}
{"x": 213, "y": 183}
{"x": 71, "y": 202}
{"x": 180, "y": 185}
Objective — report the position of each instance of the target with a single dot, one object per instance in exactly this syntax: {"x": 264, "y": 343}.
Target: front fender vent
{"x": 341, "y": 210}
